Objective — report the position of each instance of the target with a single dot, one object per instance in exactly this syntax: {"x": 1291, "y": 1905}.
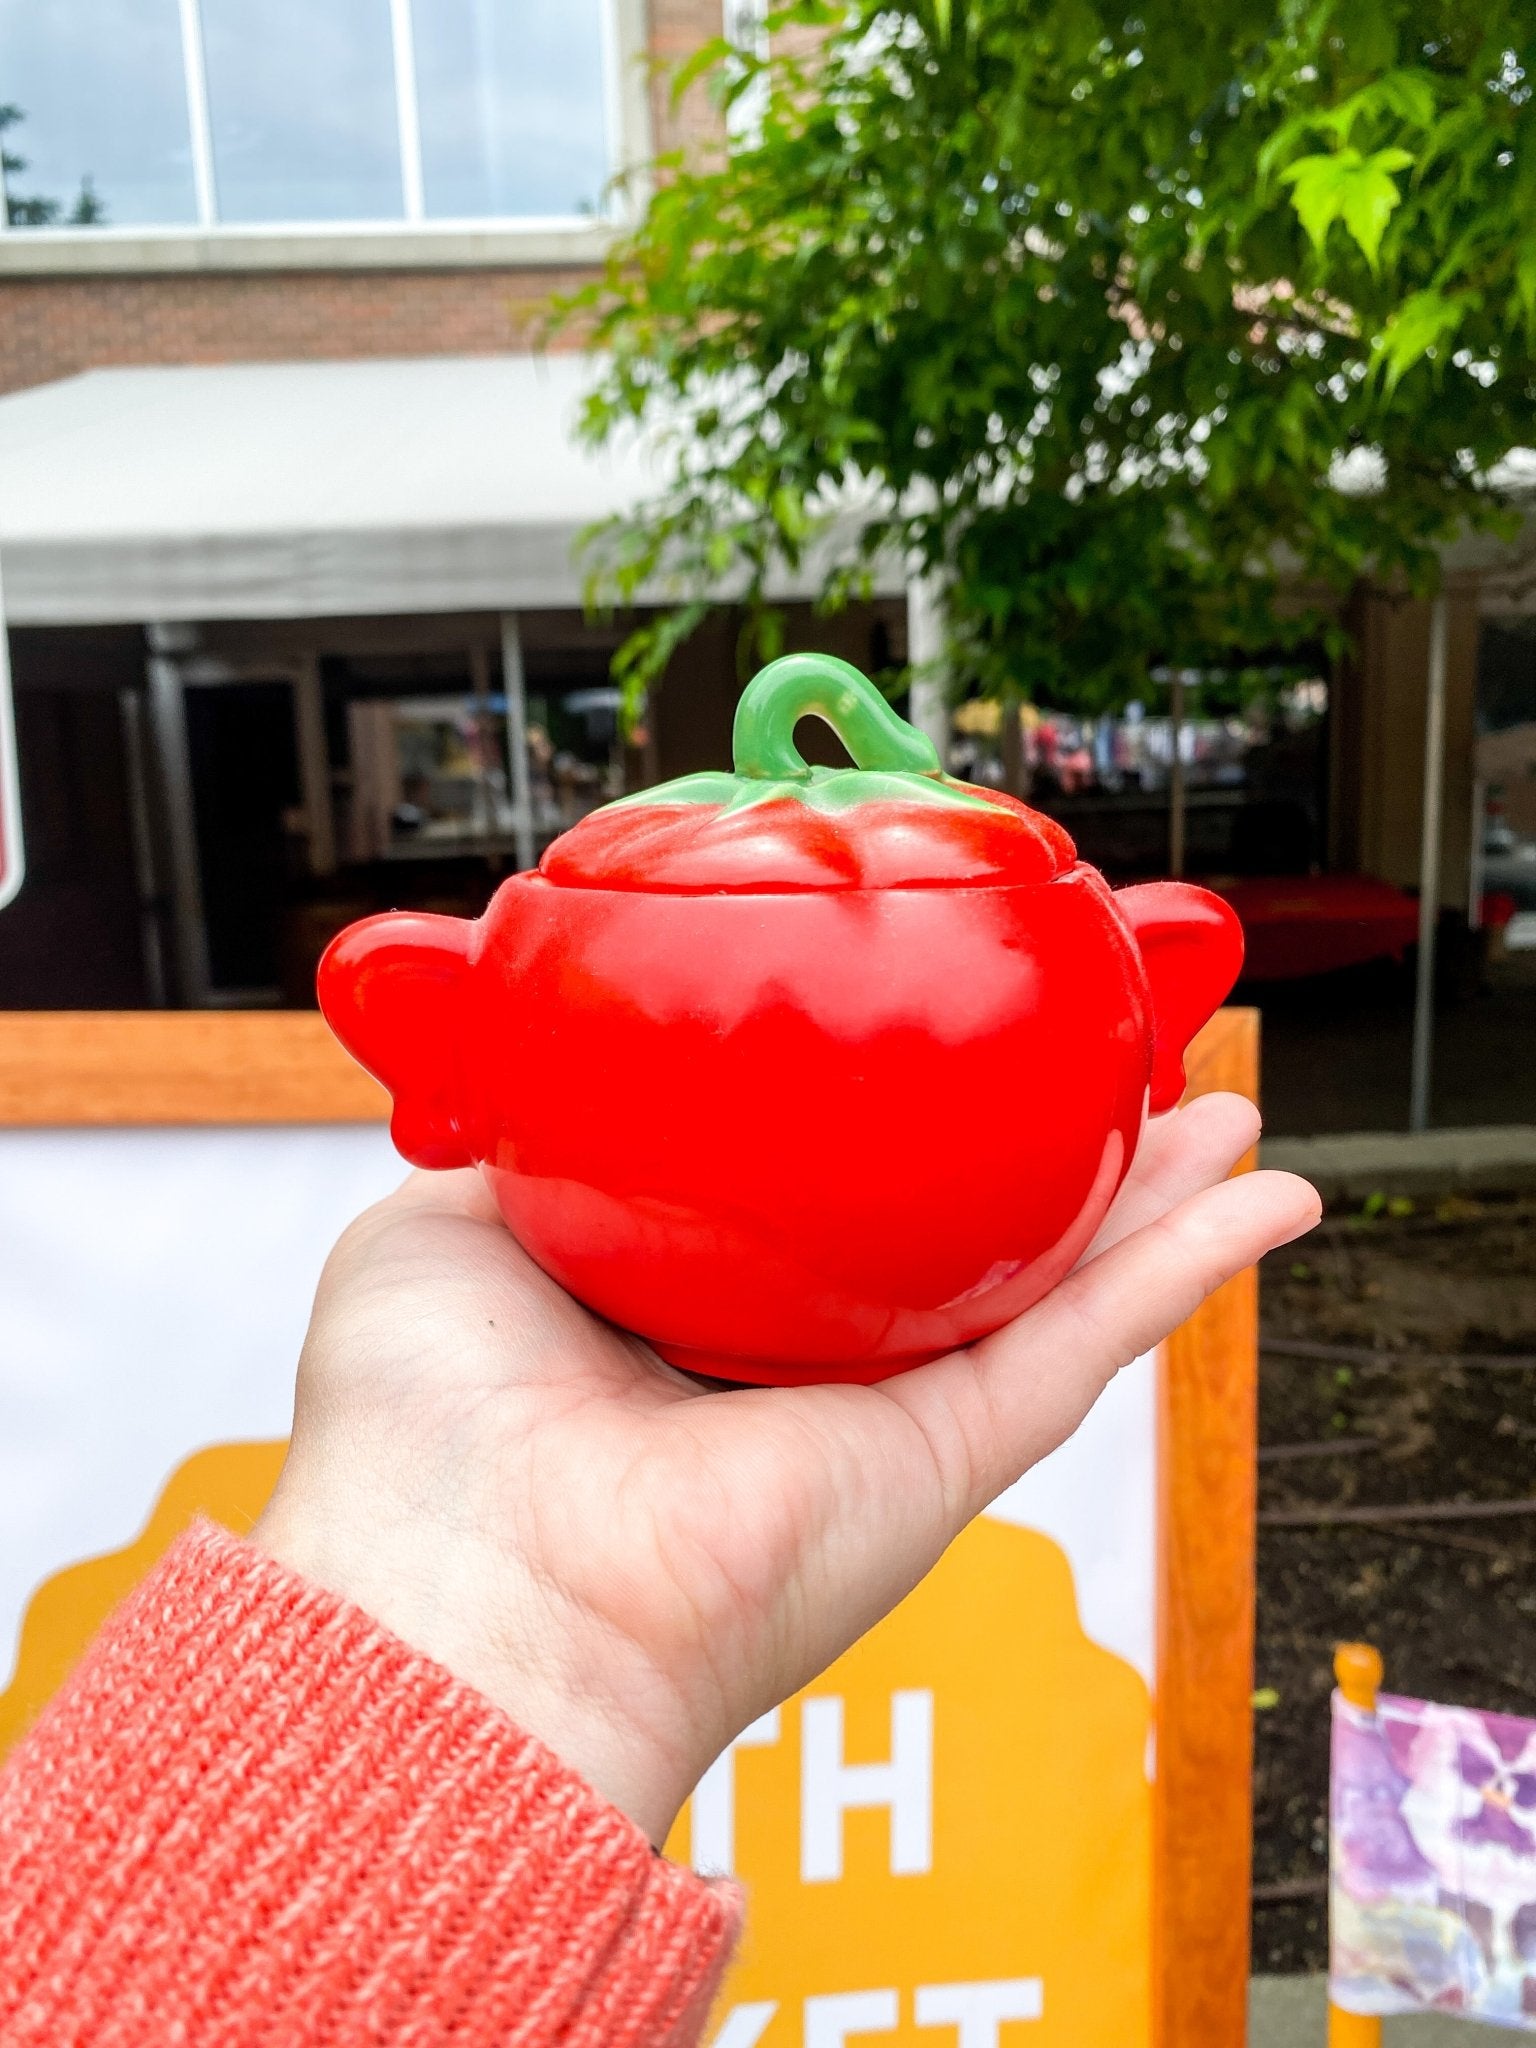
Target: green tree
{"x": 1080, "y": 306}
{"x": 87, "y": 210}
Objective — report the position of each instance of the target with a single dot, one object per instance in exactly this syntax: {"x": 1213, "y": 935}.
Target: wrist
{"x": 559, "y": 1674}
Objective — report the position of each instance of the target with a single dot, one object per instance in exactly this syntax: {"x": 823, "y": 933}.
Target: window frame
{"x": 413, "y": 240}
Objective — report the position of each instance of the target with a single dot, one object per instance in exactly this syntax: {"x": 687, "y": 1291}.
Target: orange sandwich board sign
{"x": 1014, "y": 1815}
{"x": 12, "y": 865}
{"x": 946, "y": 1840}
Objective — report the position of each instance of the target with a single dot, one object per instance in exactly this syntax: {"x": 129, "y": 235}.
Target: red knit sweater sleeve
{"x": 255, "y": 1818}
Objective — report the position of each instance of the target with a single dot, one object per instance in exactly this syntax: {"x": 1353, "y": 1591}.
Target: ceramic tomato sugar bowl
{"x": 798, "y": 1073}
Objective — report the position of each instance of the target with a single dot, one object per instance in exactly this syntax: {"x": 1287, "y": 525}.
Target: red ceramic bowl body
{"x": 816, "y": 1134}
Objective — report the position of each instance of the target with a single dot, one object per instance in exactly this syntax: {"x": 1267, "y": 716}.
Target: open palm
{"x": 636, "y": 1566}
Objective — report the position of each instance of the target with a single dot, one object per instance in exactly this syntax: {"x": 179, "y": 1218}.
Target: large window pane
{"x": 301, "y": 97}
{"x": 513, "y": 120}
{"x": 94, "y": 113}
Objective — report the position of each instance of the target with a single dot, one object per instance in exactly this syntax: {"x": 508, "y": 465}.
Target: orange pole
{"x": 1357, "y": 1668}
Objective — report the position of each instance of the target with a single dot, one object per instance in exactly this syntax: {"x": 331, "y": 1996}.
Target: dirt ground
{"x": 1451, "y": 1603}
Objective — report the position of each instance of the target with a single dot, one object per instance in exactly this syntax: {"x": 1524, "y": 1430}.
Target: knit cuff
{"x": 255, "y": 1817}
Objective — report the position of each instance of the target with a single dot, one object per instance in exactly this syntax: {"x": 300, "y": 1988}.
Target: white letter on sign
{"x": 979, "y": 2010}
{"x": 745, "y": 2026}
{"x": 829, "y": 2021}
{"x": 712, "y": 1815}
{"x": 829, "y": 1788}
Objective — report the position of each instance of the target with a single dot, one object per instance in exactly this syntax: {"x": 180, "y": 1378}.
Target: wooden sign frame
{"x": 147, "y": 1068}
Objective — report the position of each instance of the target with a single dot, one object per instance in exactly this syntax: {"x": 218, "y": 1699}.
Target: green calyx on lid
{"x": 893, "y": 820}
{"x": 893, "y": 761}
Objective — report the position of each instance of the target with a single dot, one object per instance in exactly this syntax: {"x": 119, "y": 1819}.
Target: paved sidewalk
{"x": 1351, "y": 1165}
{"x": 1292, "y": 2012}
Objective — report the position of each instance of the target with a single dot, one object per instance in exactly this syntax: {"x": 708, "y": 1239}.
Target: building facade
{"x": 441, "y": 246}
{"x": 212, "y": 783}
{"x": 210, "y": 186}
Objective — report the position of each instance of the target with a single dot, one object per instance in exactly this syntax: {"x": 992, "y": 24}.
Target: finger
{"x": 1194, "y": 1148}
{"x": 992, "y": 1411}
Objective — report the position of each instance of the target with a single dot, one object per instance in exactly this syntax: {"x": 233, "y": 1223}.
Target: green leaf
{"x": 707, "y": 58}
{"x": 1409, "y": 94}
{"x": 1011, "y": 300}
{"x": 1317, "y": 190}
{"x": 1371, "y": 197}
{"x": 1525, "y": 282}
{"x": 789, "y": 513}
{"x": 1422, "y": 322}
{"x": 1279, "y": 144}
{"x": 1406, "y": 94}
{"x": 1343, "y": 185}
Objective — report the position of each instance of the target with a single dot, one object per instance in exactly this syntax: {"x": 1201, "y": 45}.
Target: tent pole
{"x": 925, "y": 649}
{"x": 13, "y": 862}
{"x": 1357, "y": 1668}
{"x": 1176, "y": 793}
{"x": 1476, "y": 856}
{"x": 130, "y": 703}
{"x": 514, "y": 690}
{"x": 1429, "y": 868}
{"x": 168, "y": 724}
{"x": 314, "y": 764}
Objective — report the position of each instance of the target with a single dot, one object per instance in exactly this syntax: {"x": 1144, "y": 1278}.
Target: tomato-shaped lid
{"x": 892, "y": 820}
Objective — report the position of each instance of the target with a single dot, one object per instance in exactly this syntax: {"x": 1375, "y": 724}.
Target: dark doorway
{"x": 74, "y": 938}
{"x": 245, "y": 778}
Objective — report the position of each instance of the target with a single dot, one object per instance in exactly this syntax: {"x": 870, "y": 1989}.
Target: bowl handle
{"x": 1191, "y": 945}
{"x": 392, "y": 989}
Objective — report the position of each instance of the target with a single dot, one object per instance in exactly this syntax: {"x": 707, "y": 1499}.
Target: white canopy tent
{"x": 311, "y": 490}
{"x": 302, "y": 490}
{"x": 305, "y": 490}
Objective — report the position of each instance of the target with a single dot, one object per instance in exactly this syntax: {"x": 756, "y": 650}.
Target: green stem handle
{"x": 800, "y": 686}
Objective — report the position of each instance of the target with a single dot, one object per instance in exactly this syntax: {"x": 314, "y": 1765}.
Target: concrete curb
{"x": 1487, "y": 1159}
{"x": 1292, "y": 2012}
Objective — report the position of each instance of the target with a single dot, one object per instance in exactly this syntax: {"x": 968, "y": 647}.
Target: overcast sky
{"x": 301, "y": 94}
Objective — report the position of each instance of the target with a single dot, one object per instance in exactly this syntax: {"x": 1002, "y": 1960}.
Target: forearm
{"x": 254, "y": 1817}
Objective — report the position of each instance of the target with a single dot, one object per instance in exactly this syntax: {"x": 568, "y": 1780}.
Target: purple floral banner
{"x": 1433, "y": 1861}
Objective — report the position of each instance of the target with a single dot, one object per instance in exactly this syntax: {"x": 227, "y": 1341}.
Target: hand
{"x": 635, "y": 1568}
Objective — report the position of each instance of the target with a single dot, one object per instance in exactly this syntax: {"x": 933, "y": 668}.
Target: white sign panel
{"x": 946, "y": 1837}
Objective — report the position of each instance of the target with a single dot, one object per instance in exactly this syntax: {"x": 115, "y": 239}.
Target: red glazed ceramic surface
{"x": 800, "y": 1074}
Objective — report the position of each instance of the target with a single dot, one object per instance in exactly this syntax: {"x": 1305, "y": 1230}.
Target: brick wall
{"x": 54, "y": 326}
{"x": 678, "y": 27}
